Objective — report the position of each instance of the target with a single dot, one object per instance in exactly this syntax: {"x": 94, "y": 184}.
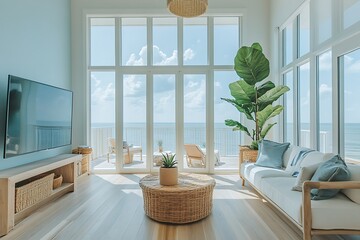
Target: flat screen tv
{"x": 39, "y": 117}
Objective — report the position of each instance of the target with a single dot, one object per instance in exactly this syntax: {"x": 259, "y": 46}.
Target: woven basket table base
{"x": 188, "y": 201}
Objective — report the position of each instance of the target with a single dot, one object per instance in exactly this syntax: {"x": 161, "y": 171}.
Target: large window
{"x": 165, "y": 72}
{"x": 325, "y": 83}
{"x": 350, "y": 75}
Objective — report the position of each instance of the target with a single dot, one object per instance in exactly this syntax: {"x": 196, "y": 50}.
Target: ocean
{"x": 226, "y": 140}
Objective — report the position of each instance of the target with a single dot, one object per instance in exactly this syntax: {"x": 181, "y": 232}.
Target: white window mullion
{"x": 180, "y": 42}
{"x": 179, "y": 100}
{"x": 296, "y": 112}
{"x": 149, "y": 119}
{"x": 314, "y": 119}
{"x": 118, "y": 98}
{"x": 210, "y": 136}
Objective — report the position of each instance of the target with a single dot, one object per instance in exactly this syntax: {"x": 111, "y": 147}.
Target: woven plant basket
{"x": 57, "y": 181}
{"x": 33, "y": 192}
{"x": 247, "y": 154}
{"x": 82, "y": 150}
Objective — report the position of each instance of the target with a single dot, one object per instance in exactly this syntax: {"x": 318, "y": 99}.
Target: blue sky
{"x": 165, "y": 53}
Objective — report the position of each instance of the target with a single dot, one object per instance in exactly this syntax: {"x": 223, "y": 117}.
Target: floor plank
{"x": 111, "y": 207}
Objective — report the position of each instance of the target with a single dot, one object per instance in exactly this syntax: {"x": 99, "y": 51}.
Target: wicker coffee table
{"x": 188, "y": 201}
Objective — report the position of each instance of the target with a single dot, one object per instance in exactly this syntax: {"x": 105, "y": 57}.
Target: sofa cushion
{"x": 271, "y": 154}
{"x": 254, "y": 174}
{"x": 278, "y": 189}
{"x": 294, "y": 163}
{"x": 334, "y": 169}
{"x": 353, "y": 194}
{"x": 289, "y": 154}
{"x": 335, "y": 213}
{"x": 305, "y": 173}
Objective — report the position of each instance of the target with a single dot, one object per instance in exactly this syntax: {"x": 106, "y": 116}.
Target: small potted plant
{"x": 168, "y": 170}
{"x": 160, "y": 145}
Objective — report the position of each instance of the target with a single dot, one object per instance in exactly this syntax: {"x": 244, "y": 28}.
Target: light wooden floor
{"x": 111, "y": 207}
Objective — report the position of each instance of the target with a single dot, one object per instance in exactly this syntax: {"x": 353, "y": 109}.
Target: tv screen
{"x": 39, "y": 117}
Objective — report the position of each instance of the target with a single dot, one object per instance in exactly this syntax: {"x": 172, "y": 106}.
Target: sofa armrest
{"x": 306, "y": 199}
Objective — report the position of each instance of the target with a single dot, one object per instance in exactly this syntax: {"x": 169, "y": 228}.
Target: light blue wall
{"x": 34, "y": 44}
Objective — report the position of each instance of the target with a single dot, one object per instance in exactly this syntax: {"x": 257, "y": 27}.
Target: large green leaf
{"x": 257, "y": 46}
{"x": 242, "y": 92}
{"x": 263, "y": 88}
{"x": 237, "y": 126}
{"x": 267, "y": 113}
{"x": 271, "y": 96}
{"x": 247, "y": 109}
{"x": 251, "y": 64}
{"x": 266, "y": 130}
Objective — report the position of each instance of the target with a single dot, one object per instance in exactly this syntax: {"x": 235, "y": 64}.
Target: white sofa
{"x": 338, "y": 215}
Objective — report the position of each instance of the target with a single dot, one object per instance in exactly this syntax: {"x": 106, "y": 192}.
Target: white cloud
{"x": 133, "y": 86}
{"x": 324, "y": 88}
{"x": 138, "y": 61}
{"x": 188, "y": 54}
{"x": 101, "y": 94}
{"x": 192, "y": 84}
{"x": 160, "y": 58}
{"x": 325, "y": 61}
{"x": 195, "y": 97}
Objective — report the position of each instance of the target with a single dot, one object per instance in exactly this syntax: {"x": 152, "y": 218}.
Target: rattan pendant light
{"x": 187, "y": 8}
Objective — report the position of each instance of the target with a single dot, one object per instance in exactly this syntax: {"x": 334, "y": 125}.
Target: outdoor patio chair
{"x": 194, "y": 152}
{"x": 128, "y": 151}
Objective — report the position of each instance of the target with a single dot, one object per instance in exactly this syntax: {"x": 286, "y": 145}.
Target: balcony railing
{"x": 226, "y": 141}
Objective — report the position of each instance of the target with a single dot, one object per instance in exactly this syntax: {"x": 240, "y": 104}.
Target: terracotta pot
{"x": 168, "y": 176}
{"x": 160, "y": 149}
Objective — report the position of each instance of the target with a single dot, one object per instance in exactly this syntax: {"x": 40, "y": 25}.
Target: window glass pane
{"x": 289, "y": 107}
{"x": 304, "y": 105}
{"x": 287, "y": 45}
{"x": 102, "y": 39}
{"x": 351, "y": 12}
{"x": 325, "y": 102}
{"x": 351, "y": 75}
{"x": 226, "y": 40}
{"x": 134, "y": 41}
{"x": 134, "y": 132}
{"x": 304, "y": 31}
{"x": 323, "y": 20}
{"x": 102, "y": 86}
{"x": 226, "y": 140}
{"x": 195, "y": 41}
{"x": 195, "y": 115}
{"x": 165, "y": 41}
{"x": 164, "y": 116}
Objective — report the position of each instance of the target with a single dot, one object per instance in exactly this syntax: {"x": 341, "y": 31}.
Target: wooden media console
{"x": 64, "y": 165}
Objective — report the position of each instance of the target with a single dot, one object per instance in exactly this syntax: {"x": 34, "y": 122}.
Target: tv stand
{"x": 63, "y": 164}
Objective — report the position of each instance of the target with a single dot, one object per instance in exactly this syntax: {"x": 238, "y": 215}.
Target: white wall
{"x": 34, "y": 44}
{"x": 256, "y": 29}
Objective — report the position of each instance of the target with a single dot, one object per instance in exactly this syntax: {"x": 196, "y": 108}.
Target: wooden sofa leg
{"x": 243, "y": 181}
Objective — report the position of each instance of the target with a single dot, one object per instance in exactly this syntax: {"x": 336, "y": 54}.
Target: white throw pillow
{"x": 306, "y": 173}
{"x": 353, "y": 194}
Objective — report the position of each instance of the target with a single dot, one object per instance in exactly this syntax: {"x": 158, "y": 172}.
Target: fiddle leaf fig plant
{"x": 251, "y": 95}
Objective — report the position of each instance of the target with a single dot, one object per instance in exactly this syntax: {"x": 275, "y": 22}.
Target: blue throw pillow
{"x": 271, "y": 154}
{"x": 332, "y": 170}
